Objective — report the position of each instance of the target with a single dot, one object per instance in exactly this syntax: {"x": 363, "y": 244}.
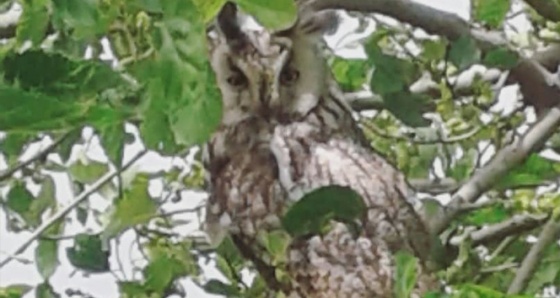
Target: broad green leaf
{"x": 132, "y": 289}
{"x": 135, "y": 207}
{"x": 13, "y": 143}
{"x": 65, "y": 147}
{"x": 491, "y": 12}
{"x": 209, "y": 8}
{"x": 217, "y": 287}
{"x": 501, "y": 58}
{"x": 464, "y": 52}
{"x": 405, "y": 274}
{"x": 276, "y": 244}
{"x": 312, "y": 213}
{"x": 85, "y": 19}
{"x": 407, "y": 107}
{"x": 14, "y": 291}
{"x": 113, "y": 138}
{"x": 45, "y": 199}
{"x": 46, "y": 256}
{"x": 278, "y": 14}
{"x": 153, "y": 6}
{"x": 489, "y": 215}
{"x": 19, "y": 199}
{"x": 168, "y": 262}
{"x": 534, "y": 171}
{"x": 88, "y": 173}
{"x": 87, "y": 254}
{"x": 476, "y": 291}
{"x": 45, "y": 290}
{"x": 391, "y": 74}
{"x": 33, "y": 23}
{"x": 349, "y": 73}
{"x": 433, "y": 50}
{"x": 22, "y": 111}
{"x": 79, "y": 78}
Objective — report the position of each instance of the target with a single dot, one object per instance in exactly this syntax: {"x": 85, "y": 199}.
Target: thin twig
{"x": 60, "y": 214}
{"x": 40, "y": 155}
{"x": 496, "y": 232}
{"x": 549, "y": 234}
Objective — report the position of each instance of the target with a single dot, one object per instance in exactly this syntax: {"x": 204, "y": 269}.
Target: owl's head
{"x": 273, "y": 75}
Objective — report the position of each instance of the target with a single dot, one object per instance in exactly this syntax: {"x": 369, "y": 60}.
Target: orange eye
{"x": 237, "y": 79}
{"x": 289, "y": 76}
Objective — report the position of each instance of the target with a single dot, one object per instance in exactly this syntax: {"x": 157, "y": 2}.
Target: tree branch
{"x": 40, "y": 155}
{"x": 528, "y": 73}
{"x": 506, "y": 159}
{"x": 61, "y": 213}
{"x": 513, "y": 226}
{"x": 549, "y": 234}
{"x": 546, "y": 8}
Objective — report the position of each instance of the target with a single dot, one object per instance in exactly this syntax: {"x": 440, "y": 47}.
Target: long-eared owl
{"x": 286, "y": 131}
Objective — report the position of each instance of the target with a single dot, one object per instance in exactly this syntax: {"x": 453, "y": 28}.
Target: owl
{"x": 286, "y": 131}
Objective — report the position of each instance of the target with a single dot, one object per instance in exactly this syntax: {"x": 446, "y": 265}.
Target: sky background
{"x": 103, "y": 285}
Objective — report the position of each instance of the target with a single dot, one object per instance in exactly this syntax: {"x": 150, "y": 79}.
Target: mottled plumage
{"x": 286, "y": 131}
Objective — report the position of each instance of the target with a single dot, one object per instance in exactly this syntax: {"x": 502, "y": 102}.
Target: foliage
{"x": 159, "y": 92}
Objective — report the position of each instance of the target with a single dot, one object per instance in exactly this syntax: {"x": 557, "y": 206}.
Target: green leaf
{"x": 167, "y": 263}
{"x": 490, "y": 215}
{"x": 217, "y": 287}
{"x": 491, "y": 12}
{"x": 88, "y": 173}
{"x": 45, "y": 290}
{"x": 113, "y": 138}
{"x": 181, "y": 103}
{"x": 20, "y": 199}
{"x": 534, "y": 171}
{"x": 46, "y": 257}
{"x": 87, "y": 254}
{"x": 464, "y": 52}
{"x": 45, "y": 199}
{"x": 278, "y": 14}
{"x": 22, "y": 111}
{"x": 32, "y": 25}
{"x": 209, "y": 8}
{"x": 276, "y": 244}
{"x": 135, "y": 207}
{"x": 132, "y": 289}
{"x": 85, "y": 19}
{"x": 405, "y": 275}
{"x": 65, "y": 147}
{"x": 12, "y": 145}
{"x": 79, "y": 78}
{"x": 391, "y": 74}
{"x": 501, "y": 58}
{"x": 433, "y": 50}
{"x": 349, "y": 73}
{"x": 407, "y": 107}
{"x": 312, "y": 213}
{"x": 14, "y": 291}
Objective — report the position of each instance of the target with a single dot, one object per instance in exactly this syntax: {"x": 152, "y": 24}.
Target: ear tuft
{"x": 228, "y": 24}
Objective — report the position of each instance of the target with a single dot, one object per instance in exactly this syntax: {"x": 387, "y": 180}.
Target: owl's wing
{"x": 308, "y": 160}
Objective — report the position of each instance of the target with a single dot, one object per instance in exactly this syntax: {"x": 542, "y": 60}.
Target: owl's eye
{"x": 237, "y": 79}
{"x": 289, "y": 76}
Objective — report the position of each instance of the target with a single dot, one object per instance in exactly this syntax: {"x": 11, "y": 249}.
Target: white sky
{"x": 103, "y": 285}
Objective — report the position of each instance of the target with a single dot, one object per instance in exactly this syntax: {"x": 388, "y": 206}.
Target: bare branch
{"x": 61, "y": 213}
{"x": 513, "y": 226}
{"x": 434, "y": 187}
{"x": 40, "y": 155}
{"x": 549, "y": 234}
